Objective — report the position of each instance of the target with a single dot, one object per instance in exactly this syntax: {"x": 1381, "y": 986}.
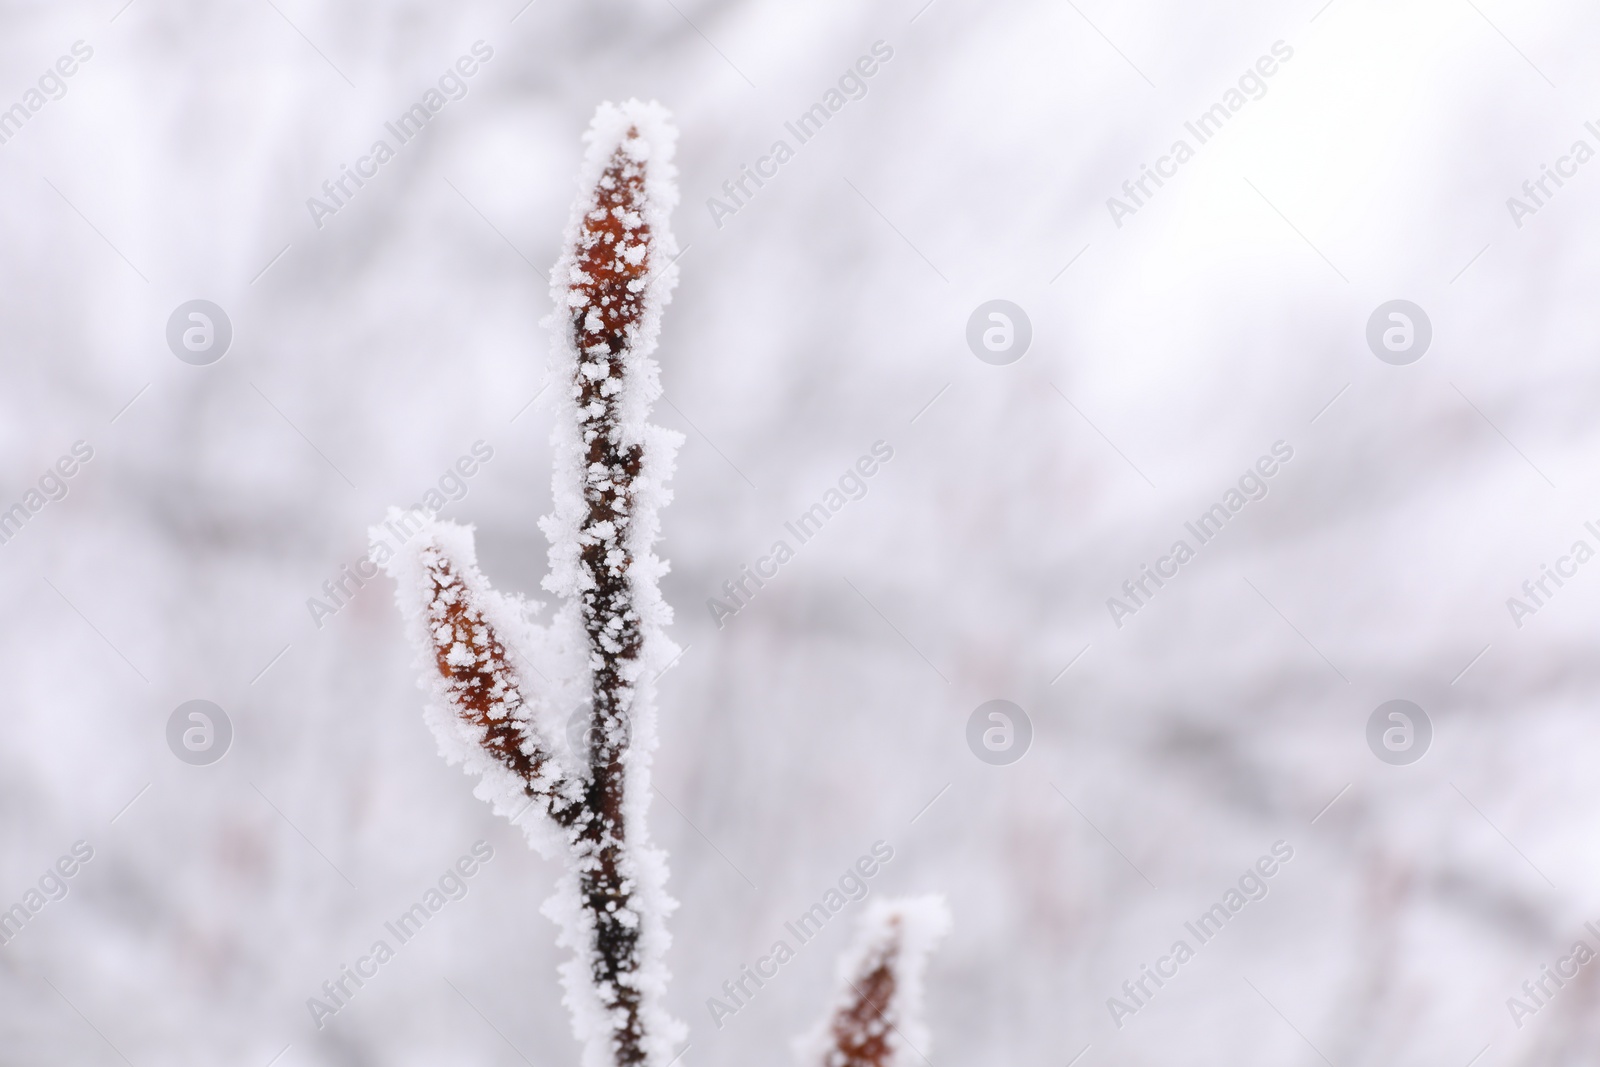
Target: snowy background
{"x": 1227, "y": 314}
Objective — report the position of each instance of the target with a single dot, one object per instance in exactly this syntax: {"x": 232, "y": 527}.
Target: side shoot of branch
{"x": 878, "y": 1018}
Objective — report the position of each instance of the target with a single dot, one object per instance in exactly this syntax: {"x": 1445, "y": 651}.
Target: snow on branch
{"x": 611, "y": 466}
{"x": 877, "y": 1020}
{"x": 482, "y": 712}
{"x": 499, "y": 682}
{"x": 501, "y": 685}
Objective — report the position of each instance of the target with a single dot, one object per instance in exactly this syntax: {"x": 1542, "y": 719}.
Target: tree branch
{"x": 877, "y": 1019}
{"x": 613, "y": 279}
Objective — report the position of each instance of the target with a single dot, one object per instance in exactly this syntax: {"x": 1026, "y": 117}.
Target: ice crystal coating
{"x": 500, "y": 683}
{"x": 877, "y": 1019}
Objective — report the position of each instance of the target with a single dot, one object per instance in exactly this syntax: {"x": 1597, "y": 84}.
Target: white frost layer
{"x": 530, "y": 656}
{"x": 899, "y": 933}
{"x": 643, "y": 131}
{"x": 559, "y": 657}
{"x": 654, "y": 145}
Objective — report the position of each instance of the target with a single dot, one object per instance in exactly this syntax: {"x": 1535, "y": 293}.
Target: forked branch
{"x": 607, "y": 642}
{"x": 500, "y": 683}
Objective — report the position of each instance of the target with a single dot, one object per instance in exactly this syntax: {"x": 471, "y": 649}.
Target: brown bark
{"x": 861, "y": 1029}
{"x": 473, "y": 661}
{"x": 611, "y": 281}
{"x": 602, "y": 327}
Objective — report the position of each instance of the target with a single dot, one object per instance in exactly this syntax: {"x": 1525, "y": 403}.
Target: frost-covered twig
{"x": 499, "y": 681}
{"x": 611, "y": 468}
{"x": 877, "y": 1020}
{"x": 482, "y": 710}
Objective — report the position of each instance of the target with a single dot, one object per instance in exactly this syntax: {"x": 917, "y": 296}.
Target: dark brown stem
{"x": 605, "y": 302}
{"x": 860, "y": 1030}
{"x": 483, "y": 685}
{"x": 610, "y": 277}
{"x": 602, "y": 329}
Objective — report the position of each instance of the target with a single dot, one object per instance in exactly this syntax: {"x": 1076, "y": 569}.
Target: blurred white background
{"x": 369, "y": 353}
